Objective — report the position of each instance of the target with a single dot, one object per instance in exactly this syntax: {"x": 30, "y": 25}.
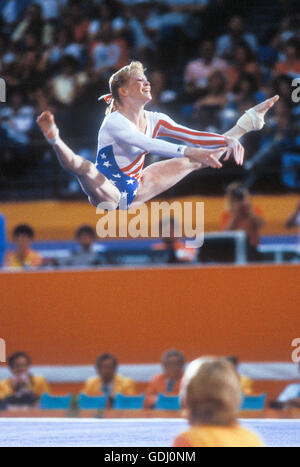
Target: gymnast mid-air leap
{"x": 128, "y": 133}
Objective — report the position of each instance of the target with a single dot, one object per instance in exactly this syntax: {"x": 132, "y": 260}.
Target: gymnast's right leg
{"x": 97, "y": 188}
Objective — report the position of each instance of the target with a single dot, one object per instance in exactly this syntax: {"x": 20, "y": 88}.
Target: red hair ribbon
{"x": 107, "y": 97}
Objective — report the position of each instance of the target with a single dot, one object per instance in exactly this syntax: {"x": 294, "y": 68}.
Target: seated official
{"x": 169, "y": 381}
{"x": 84, "y": 254}
{"x": 175, "y": 246}
{"x": 211, "y": 394}
{"x": 108, "y": 382}
{"x": 22, "y": 389}
{"x": 24, "y": 257}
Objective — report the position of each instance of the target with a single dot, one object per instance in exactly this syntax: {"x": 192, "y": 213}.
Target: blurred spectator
{"x": 161, "y": 96}
{"x": 176, "y": 247}
{"x": 84, "y": 254}
{"x": 138, "y": 17}
{"x": 246, "y": 383}
{"x": 11, "y": 10}
{"x": 212, "y": 396}
{"x": 109, "y": 52}
{"x": 108, "y": 382}
{"x": 17, "y": 119}
{"x": 61, "y": 45}
{"x": 291, "y": 63}
{"x": 290, "y": 397}
{"x": 51, "y": 9}
{"x": 227, "y": 44}
{"x": 244, "y": 61}
{"x": 68, "y": 85}
{"x": 24, "y": 257}
{"x": 22, "y": 389}
{"x": 290, "y": 28}
{"x": 32, "y": 22}
{"x": 197, "y": 71}
{"x": 169, "y": 381}
{"x": 208, "y": 110}
{"x": 242, "y": 215}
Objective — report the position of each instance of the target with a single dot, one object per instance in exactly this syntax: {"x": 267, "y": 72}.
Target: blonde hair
{"x": 211, "y": 392}
{"x": 120, "y": 79}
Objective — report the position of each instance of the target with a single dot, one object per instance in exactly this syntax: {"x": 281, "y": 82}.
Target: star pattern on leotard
{"x": 127, "y": 185}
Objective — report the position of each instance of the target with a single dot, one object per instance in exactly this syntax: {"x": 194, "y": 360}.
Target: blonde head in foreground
{"x": 211, "y": 392}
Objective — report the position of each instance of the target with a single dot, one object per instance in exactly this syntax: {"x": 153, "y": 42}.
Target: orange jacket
{"x": 217, "y": 436}
{"x": 158, "y": 385}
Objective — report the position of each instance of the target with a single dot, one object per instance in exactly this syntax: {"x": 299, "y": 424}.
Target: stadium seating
{"x": 254, "y": 402}
{"x": 167, "y": 402}
{"x": 56, "y": 402}
{"x": 91, "y": 403}
{"x": 122, "y": 402}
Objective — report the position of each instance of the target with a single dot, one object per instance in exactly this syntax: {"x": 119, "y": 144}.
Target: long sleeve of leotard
{"x": 166, "y": 127}
{"x": 124, "y": 132}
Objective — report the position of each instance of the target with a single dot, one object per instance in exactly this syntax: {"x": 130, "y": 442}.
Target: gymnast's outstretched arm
{"x": 161, "y": 176}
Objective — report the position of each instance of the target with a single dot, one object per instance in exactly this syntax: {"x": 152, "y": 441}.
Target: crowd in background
{"x": 206, "y": 67}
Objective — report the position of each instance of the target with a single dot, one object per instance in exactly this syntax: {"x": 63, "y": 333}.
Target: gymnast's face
{"x": 139, "y": 88}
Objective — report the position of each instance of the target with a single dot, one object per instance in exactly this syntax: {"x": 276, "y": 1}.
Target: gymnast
{"x": 128, "y": 133}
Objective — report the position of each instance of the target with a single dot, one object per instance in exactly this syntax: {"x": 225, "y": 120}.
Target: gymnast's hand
{"x": 235, "y": 148}
{"x": 210, "y": 157}
{"x": 263, "y": 107}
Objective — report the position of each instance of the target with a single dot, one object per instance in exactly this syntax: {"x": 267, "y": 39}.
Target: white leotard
{"x": 129, "y": 145}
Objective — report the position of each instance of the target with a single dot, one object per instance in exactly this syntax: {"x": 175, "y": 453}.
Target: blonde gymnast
{"x": 128, "y": 133}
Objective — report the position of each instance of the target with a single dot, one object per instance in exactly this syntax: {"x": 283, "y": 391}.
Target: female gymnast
{"x": 128, "y": 133}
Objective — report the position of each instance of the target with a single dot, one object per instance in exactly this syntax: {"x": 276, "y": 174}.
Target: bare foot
{"x": 47, "y": 124}
{"x": 263, "y": 108}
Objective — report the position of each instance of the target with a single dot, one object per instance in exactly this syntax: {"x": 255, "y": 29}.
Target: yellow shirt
{"x": 38, "y": 385}
{"x": 31, "y": 260}
{"x": 218, "y": 436}
{"x": 121, "y": 385}
{"x": 247, "y": 385}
